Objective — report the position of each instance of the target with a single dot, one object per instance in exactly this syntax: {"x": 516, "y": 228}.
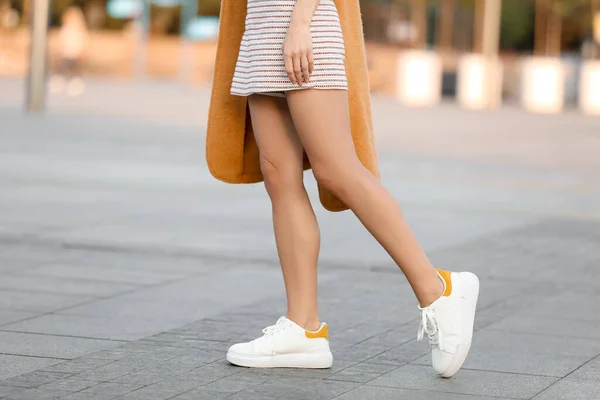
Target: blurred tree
{"x": 550, "y": 16}
{"x": 567, "y": 7}
{"x": 516, "y": 30}
{"x": 445, "y": 33}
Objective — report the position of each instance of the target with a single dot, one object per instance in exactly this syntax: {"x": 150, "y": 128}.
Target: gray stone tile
{"x": 364, "y": 350}
{"x": 78, "y": 365}
{"x": 351, "y": 375}
{"x": 481, "y": 383}
{"x": 214, "y": 371}
{"x": 17, "y": 365}
{"x": 89, "y": 396}
{"x": 93, "y": 191}
{"x": 113, "y": 388}
{"x": 100, "y": 273}
{"x": 123, "y": 351}
{"x": 372, "y": 368}
{"x": 145, "y": 262}
{"x": 274, "y": 389}
{"x": 383, "y": 393}
{"x": 69, "y": 385}
{"x": 401, "y": 355}
{"x": 34, "y": 379}
{"x": 38, "y": 254}
{"x": 518, "y": 362}
{"x": 202, "y": 394}
{"x": 374, "y": 333}
{"x": 165, "y": 389}
{"x": 515, "y": 342}
{"x": 38, "y": 394}
{"x": 165, "y": 314}
{"x": 235, "y": 383}
{"x": 589, "y": 371}
{"x": 143, "y": 377}
{"x": 321, "y": 389}
{"x": 9, "y": 316}
{"x": 188, "y": 294}
{"x": 154, "y": 373}
{"x": 113, "y": 370}
{"x": 566, "y": 305}
{"x": 80, "y": 287}
{"x": 99, "y": 327}
{"x": 571, "y": 389}
{"x": 50, "y": 346}
{"x": 8, "y": 391}
{"x": 552, "y": 326}
{"x": 191, "y": 342}
{"x": 291, "y": 372}
{"x": 38, "y": 302}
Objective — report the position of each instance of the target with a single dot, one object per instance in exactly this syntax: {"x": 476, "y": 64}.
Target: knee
{"x": 280, "y": 176}
{"x": 335, "y": 176}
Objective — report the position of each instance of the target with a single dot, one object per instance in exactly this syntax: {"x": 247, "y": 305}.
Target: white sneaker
{"x": 284, "y": 344}
{"x": 449, "y": 322}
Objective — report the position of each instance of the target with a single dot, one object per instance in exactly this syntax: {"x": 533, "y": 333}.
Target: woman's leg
{"x": 322, "y": 120}
{"x": 296, "y": 230}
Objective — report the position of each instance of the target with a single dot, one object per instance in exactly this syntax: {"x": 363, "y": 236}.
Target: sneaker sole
{"x": 298, "y": 360}
{"x": 470, "y": 292}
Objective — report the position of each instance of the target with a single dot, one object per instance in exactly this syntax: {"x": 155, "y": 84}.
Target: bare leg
{"x": 322, "y": 120}
{"x": 296, "y": 230}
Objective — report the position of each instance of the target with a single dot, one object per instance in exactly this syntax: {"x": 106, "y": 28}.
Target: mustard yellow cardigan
{"x": 231, "y": 150}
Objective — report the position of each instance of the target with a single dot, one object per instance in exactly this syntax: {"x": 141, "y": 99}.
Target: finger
{"x": 311, "y": 63}
{"x": 298, "y": 69}
{"x": 289, "y": 68}
{"x": 304, "y": 65}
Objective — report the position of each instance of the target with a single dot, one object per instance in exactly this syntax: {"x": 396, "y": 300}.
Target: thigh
{"x": 322, "y": 120}
{"x": 275, "y": 134}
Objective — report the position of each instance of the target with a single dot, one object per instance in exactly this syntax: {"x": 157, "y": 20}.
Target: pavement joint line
{"x": 444, "y": 392}
{"x": 17, "y": 273}
{"x": 94, "y": 299}
{"x": 66, "y": 336}
{"x": 31, "y": 356}
{"x": 548, "y": 387}
{"x": 512, "y": 373}
{"x": 58, "y": 311}
{"x": 200, "y": 254}
{"x": 453, "y": 393}
{"x": 581, "y": 366}
{"x": 178, "y": 253}
{"x": 377, "y": 267}
{"x": 402, "y": 325}
{"x": 19, "y": 320}
{"x": 30, "y": 291}
{"x": 536, "y": 333}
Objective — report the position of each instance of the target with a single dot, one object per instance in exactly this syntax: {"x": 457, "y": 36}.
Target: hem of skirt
{"x": 281, "y": 92}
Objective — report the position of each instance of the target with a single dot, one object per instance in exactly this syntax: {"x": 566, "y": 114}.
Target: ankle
{"x": 434, "y": 291}
{"x": 309, "y": 323}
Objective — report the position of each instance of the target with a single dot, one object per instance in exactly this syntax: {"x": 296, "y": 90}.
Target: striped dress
{"x": 260, "y": 67}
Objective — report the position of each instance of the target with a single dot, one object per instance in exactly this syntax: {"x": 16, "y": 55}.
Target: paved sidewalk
{"x": 126, "y": 271}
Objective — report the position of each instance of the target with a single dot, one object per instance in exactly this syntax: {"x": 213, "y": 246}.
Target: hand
{"x": 297, "y": 53}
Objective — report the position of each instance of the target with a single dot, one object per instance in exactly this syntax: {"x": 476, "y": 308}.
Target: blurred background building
{"x": 480, "y": 52}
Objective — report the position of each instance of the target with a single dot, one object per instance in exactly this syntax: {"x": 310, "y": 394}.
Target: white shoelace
{"x": 278, "y": 327}
{"x": 429, "y": 325}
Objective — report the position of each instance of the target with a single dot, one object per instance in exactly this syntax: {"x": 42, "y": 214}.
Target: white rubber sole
{"x": 323, "y": 359}
{"x": 470, "y": 293}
